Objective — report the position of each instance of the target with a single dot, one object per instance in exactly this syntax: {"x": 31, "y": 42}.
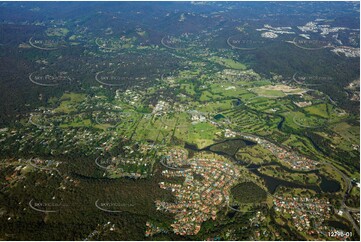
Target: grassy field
{"x": 213, "y": 107}
{"x": 291, "y": 192}
{"x": 206, "y": 96}
{"x": 58, "y": 32}
{"x": 278, "y": 172}
{"x": 255, "y": 155}
{"x": 354, "y": 199}
{"x": 298, "y": 120}
{"x": 321, "y": 110}
{"x": 228, "y": 63}
{"x": 102, "y": 126}
{"x": 244, "y": 120}
{"x": 268, "y": 93}
{"x": 270, "y": 105}
{"x": 77, "y": 123}
{"x": 156, "y": 129}
{"x": 163, "y": 127}
{"x": 69, "y": 102}
{"x": 188, "y": 88}
{"x": 302, "y": 144}
{"x": 346, "y": 136}
{"x": 188, "y": 75}
{"x": 227, "y": 90}
{"x": 201, "y": 134}
{"x": 246, "y": 96}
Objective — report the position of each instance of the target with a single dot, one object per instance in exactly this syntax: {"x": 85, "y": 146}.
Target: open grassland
{"x": 228, "y": 63}
{"x": 189, "y": 75}
{"x": 302, "y": 144}
{"x": 208, "y": 96}
{"x": 268, "y": 92}
{"x": 298, "y": 121}
{"x": 245, "y": 120}
{"x": 354, "y": 198}
{"x": 69, "y": 102}
{"x": 347, "y": 137}
{"x": 202, "y": 134}
{"x": 278, "y": 172}
{"x": 286, "y": 90}
{"x": 227, "y": 90}
{"x": 269, "y": 105}
{"x": 214, "y": 107}
{"x": 321, "y": 110}
{"x": 188, "y": 88}
{"x": 77, "y": 123}
{"x": 57, "y": 32}
{"x": 255, "y": 154}
{"x": 326, "y": 111}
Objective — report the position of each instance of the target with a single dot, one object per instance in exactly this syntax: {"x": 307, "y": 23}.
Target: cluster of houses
{"x": 347, "y": 51}
{"x": 161, "y": 108}
{"x": 176, "y": 157}
{"x": 129, "y": 96}
{"x": 232, "y": 75}
{"x": 261, "y": 233}
{"x": 294, "y": 160}
{"x": 134, "y": 163}
{"x": 198, "y": 200}
{"x": 42, "y": 162}
{"x": 170, "y": 173}
{"x": 307, "y": 214}
{"x": 316, "y": 26}
{"x": 230, "y": 134}
{"x": 197, "y": 117}
{"x": 101, "y": 229}
{"x": 152, "y": 229}
{"x": 291, "y": 158}
{"x": 14, "y": 177}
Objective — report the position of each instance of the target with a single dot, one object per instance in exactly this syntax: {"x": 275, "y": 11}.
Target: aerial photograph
{"x": 179, "y": 120}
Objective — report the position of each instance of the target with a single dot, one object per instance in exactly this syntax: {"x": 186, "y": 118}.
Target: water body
{"x": 272, "y": 183}
{"x": 326, "y": 185}
{"x": 329, "y": 185}
{"x": 279, "y": 126}
{"x": 226, "y": 148}
{"x": 237, "y": 102}
{"x": 219, "y": 116}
